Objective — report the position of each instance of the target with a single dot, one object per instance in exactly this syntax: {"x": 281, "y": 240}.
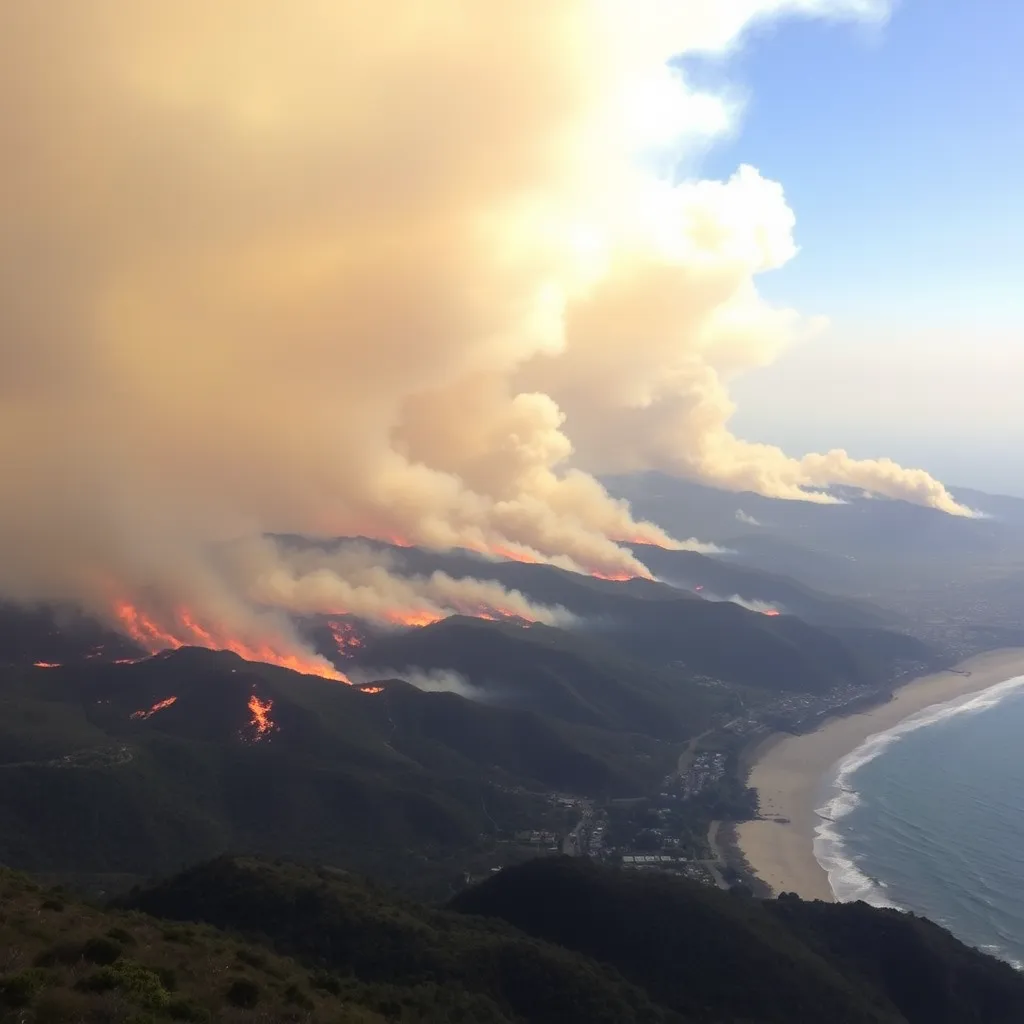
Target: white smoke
{"x": 314, "y": 268}
{"x": 436, "y": 680}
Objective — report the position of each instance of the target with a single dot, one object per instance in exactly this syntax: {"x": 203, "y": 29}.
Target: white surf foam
{"x": 847, "y": 881}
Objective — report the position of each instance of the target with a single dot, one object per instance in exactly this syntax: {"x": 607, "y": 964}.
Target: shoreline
{"x": 788, "y": 770}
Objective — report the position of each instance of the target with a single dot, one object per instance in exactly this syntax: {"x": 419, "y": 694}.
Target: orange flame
{"x": 371, "y": 689}
{"x": 423, "y": 617}
{"x": 144, "y": 631}
{"x": 261, "y": 723}
{"x": 46, "y": 664}
{"x": 346, "y": 636}
{"x": 150, "y": 712}
{"x": 771, "y": 611}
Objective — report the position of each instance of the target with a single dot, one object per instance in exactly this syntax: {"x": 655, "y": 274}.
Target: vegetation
{"x": 716, "y": 956}
{"x": 63, "y": 961}
{"x": 403, "y": 783}
{"x": 557, "y": 941}
{"x": 398, "y": 952}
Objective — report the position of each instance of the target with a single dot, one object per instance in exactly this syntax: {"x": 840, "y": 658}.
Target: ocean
{"x": 929, "y": 817}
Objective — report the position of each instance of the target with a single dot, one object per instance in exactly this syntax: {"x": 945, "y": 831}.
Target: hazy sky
{"x": 900, "y": 149}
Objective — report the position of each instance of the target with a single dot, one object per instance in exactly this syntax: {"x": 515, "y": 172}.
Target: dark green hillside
{"x": 339, "y": 923}
{"x": 665, "y": 629}
{"x": 567, "y": 675}
{"x": 718, "y": 956}
{"x": 775, "y": 653}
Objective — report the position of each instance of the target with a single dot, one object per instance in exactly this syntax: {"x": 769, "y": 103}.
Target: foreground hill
{"x": 606, "y": 945}
{"x": 338, "y": 923}
{"x": 62, "y": 961}
{"x": 715, "y": 956}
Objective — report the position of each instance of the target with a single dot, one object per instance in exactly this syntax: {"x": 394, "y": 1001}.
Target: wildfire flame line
{"x": 154, "y": 638}
{"x": 160, "y": 705}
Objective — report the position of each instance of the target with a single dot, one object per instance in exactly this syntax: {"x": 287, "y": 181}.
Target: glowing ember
{"x": 188, "y": 632}
{"x": 771, "y": 611}
{"x": 129, "y": 661}
{"x": 150, "y": 712}
{"x": 46, "y": 664}
{"x": 371, "y": 689}
{"x": 346, "y": 636}
{"x": 261, "y": 723}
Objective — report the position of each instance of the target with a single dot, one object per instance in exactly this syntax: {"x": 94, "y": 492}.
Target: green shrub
{"x": 251, "y": 958}
{"x": 101, "y": 951}
{"x": 122, "y": 935}
{"x": 326, "y": 982}
{"x": 65, "y": 953}
{"x": 179, "y": 1009}
{"x": 17, "y": 990}
{"x": 243, "y": 993}
{"x": 294, "y": 995}
{"x": 168, "y": 978}
{"x": 137, "y": 983}
{"x": 103, "y": 980}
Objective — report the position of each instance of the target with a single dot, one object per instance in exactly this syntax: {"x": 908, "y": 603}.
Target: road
{"x": 572, "y": 845}
{"x": 717, "y": 862}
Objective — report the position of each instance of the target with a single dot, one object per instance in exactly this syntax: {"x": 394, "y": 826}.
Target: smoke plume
{"x": 305, "y": 267}
{"x": 354, "y": 579}
{"x": 438, "y": 680}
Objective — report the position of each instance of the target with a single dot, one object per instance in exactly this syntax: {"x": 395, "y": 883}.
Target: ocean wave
{"x": 847, "y": 881}
{"x": 1001, "y": 954}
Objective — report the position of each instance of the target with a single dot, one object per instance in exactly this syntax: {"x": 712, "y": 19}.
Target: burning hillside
{"x": 184, "y": 631}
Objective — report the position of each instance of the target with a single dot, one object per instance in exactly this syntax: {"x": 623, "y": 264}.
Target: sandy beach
{"x": 788, "y": 771}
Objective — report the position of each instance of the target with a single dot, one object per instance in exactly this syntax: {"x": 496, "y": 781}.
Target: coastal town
{"x": 687, "y": 825}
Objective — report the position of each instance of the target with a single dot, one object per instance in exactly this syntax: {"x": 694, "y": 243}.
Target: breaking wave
{"x": 847, "y": 881}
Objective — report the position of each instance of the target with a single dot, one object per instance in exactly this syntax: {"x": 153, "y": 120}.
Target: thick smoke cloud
{"x": 308, "y": 267}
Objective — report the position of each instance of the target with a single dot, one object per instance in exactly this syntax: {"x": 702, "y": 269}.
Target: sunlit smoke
{"x": 751, "y": 604}
{"x": 311, "y": 268}
{"x": 354, "y": 579}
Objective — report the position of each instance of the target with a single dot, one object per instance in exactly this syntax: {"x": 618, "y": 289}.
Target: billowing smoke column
{"x": 307, "y": 267}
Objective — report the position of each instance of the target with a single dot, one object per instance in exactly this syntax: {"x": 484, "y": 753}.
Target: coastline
{"x": 788, "y": 770}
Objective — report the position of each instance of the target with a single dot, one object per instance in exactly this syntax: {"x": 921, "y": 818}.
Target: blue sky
{"x": 901, "y": 150}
